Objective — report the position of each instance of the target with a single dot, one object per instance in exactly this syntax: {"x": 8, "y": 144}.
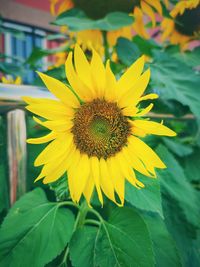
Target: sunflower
{"x": 95, "y": 128}
{"x": 10, "y": 80}
{"x": 100, "y": 8}
{"x": 184, "y": 25}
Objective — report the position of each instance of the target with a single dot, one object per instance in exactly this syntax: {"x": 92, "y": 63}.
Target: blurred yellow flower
{"x": 10, "y": 80}
{"x": 184, "y": 25}
{"x": 96, "y": 127}
{"x": 99, "y": 9}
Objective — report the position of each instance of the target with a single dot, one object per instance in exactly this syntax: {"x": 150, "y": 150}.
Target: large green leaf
{"x": 176, "y": 80}
{"x": 166, "y": 253}
{"x": 82, "y": 247}
{"x": 147, "y": 198}
{"x": 34, "y": 232}
{"x": 123, "y": 241}
{"x": 177, "y": 147}
{"x": 174, "y": 183}
{"x": 76, "y": 20}
{"x": 185, "y": 235}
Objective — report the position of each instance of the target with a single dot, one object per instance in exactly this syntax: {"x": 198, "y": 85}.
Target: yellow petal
{"x": 129, "y": 78}
{"x": 89, "y": 188}
{"x": 152, "y": 127}
{"x": 130, "y": 111}
{"x": 145, "y": 154}
{"x": 149, "y": 96}
{"x": 96, "y": 176}
{"x": 60, "y": 90}
{"x": 50, "y": 112}
{"x": 80, "y": 174}
{"x": 51, "y": 171}
{"x": 98, "y": 73}
{"x": 84, "y": 92}
{"x": 4, "y": 80}
{"x": 55, "y": 149}
{"x": 18, "y": 80}
{"x": 131, "y": 97}
{"x": 126, "y": 169}
{"x": 117, "y": 179}
{"x": 110, "y": 87}
{"x": 144, "y": 111}
{"x": 59, "y": 126}
{"x": 105, "y": 181}
{"x": 148, "y": 10}
{"x": 82, "y": 66}
{"x": 71, "y": 174}
{"x": 138, "y": 25}
{"x": 156, "y": 4}
{"x": 44, "y": 139}
{"x": 134, "y": 161}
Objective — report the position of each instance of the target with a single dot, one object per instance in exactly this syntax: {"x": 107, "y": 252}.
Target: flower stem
{"x": 80, "y": 220}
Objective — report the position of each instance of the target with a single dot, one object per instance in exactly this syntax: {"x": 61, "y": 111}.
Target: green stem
{"x": 80, "y": 219}
{"x": 69, "y": 203}
{"x": 106, "y": 46}
{"x": 90, "y": 221}
{"x": 96, "y": 214}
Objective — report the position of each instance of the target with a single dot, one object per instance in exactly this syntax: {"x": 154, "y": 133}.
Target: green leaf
{"x": 174, "y": 183}
{"x": 127, "y": 51}
{"x": 38, "y": 53}
{"x": 60, "y": 187}
{"x": 165, "y": 250}
{"x": 177, "y": 147}
{"x": 176, "y": 80}
{"x": 76, "y": 20}
{"x": 192, "y": 163}
{"x": 147, "y": 198}
{"x": 190, "y": 58}
{"x": 34, "y": 232}
{"x": 186, "y": 236}
{"x": 146, "y": 46}
{"x": 123, "y": 241}
{"x": 82, "y": 247}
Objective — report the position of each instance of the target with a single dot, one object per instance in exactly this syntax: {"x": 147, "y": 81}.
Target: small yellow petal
{"x": 149, "y": 96}
{"x": 148, "y": 10}
{"x": 152, "y": 127}
{"x": 144, "y": 111}
{"x": 55, "y": 149}
{"x": 82, "y": 66}
{"x": 129, "y": 78}
{"x": 80, "y": 88}
{"x": 110, "y": 87}
{"x": 105, "y": 181}
{"x": 98, "y": 78}
{"x": 44, "y": 139}
{"x": 60, "y": 90}
{"x": 131, "y": 97}
{"x": 96, "y": 176}
{"x": 145, "y": 154}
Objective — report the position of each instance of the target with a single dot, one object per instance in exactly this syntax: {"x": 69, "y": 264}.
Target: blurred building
{"x": 24, "y": 25}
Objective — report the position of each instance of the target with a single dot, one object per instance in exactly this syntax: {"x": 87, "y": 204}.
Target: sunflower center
{"x": 189, "y": 22}
{"x": 100, "y": 129}
{"x": 97, "y": 9}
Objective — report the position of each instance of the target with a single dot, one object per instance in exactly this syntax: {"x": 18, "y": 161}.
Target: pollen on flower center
{"x": 99, "y": 8}
{"x": 188, "y": 23}
{"x": 100, "y": 129}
